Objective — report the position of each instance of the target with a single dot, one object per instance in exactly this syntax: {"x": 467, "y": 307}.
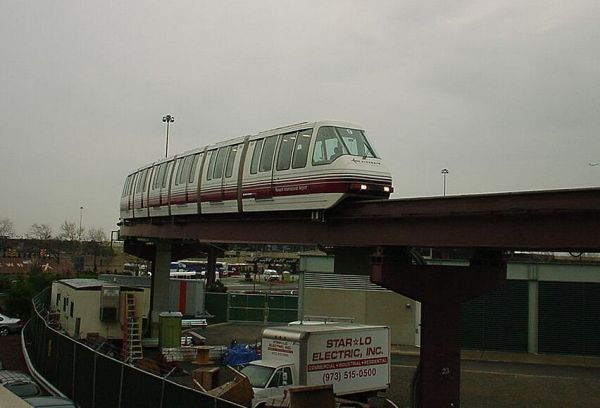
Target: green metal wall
{"x": 569, "y": 318}
{"x": 497, "y": 320}
{"x": 251, "y": 307}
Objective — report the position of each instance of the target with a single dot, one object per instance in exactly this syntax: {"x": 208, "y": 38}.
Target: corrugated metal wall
{"x": 569, "y": 318}
{"x": 497, "y": 320}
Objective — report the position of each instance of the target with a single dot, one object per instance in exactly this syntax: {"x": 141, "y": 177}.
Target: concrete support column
{"x": 532, "y": 329}
{"x": 160, "y": 282}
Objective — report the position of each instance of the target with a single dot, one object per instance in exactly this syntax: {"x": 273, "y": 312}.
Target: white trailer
{"x": 354, "y": 358}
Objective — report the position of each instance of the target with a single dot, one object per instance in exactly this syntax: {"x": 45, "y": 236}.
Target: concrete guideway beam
{"x": 441, "y": 291}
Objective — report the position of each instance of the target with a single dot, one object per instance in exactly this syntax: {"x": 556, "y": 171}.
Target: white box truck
{"x": 354, "y": 358}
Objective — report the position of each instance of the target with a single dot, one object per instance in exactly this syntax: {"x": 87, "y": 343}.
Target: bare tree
{"x": 40, "y": 231}
{"x": 7, "y": 229}
{"x": 68, "y": 231}
{"x": 96, "y": 234}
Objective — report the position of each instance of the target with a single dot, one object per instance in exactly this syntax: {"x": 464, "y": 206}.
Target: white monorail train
{"x": 306, "y": 166}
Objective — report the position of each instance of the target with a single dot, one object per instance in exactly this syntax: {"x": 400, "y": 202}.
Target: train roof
{"x": 264, "y": 133}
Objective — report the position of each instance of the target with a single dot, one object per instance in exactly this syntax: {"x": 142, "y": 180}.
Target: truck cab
{"x": 269, "y": 379}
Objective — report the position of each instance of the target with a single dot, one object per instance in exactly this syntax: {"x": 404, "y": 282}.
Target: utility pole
{"x": 168, "y": 119}
{"x": 444, "y": 173}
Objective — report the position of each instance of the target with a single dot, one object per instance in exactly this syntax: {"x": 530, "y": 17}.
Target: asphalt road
{"x": 501, "y": 385}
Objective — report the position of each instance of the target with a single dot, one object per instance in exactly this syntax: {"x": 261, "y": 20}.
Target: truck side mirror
{"x": 285, "y": 378}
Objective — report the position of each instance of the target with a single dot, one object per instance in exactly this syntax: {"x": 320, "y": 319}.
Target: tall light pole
{"x": 444, "y": 173}
{"x": 80, "y": 219}
{"x": 168, "y": 119}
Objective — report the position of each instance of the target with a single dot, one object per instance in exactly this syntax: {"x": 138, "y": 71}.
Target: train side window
{"x": 231, "y": 160}
{"x": 193, "y": 169}
{"x": 184, "y": 174}
{"x": 256, "y": 156}
{"x": 179, "y": 164}
{"x": 166, "y": 173}
{"x": 126, "y": 186}
{"x": 220, "y": 162}
{"x": 301, "y": 150}
{"x": 211, "y": 164}
{"x": 327, "y": 146}
{"x": 145, "y": 178}
{"x": 286, "y": 148}
{"x": 138, "y": 182}
{"x": 266, "y": 159}
{"x": 156, "y": 179}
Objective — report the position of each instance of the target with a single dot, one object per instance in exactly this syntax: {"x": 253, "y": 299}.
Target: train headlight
{"x": 363, "y": 187}
{"x": 386, "y": 189}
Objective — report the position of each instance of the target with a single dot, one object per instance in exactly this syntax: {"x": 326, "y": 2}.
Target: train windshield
{"x": 332, "y": 142}
{"x": 355, "y": 142}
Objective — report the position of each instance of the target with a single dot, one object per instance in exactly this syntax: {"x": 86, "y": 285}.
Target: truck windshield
{"x": 258, "y": 375}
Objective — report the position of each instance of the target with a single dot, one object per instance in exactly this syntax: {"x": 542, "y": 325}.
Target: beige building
{"x": 332, "y": 295}
{"x": 92, "y": 306}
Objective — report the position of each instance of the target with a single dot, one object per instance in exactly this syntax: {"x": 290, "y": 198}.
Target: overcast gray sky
{"x": 505, "y": 94}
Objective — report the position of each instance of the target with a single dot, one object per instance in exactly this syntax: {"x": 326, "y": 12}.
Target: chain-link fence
{"x": 96, "y": 380}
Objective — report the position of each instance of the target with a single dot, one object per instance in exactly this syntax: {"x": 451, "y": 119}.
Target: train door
{"x": 140, "y": 194}
{"x": 126, "y": 205}
{"x": 291, "y": 176}
{"x": 257, "y": 189}
{"x": 177, "y": 191}
{"x": 192, "y": 182}
{"x": 211, "y": 192}
{"x": 229, "y": 184}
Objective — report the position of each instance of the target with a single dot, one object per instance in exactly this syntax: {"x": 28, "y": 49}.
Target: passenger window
{"x": 184, "y": 174}
{"x": 193, "y": 169}
{"x": 166, "y": 173}
{"x": 231, "y": 160}
{"x": 286, "y": 148}
{"x": 126, "y": 186}
{"x": 138, "y": 182}
{"x": 145, "y": 178}
{"x": 211, "y": 164}
{"x": 276, "y": 381}
{"x": 327, "y": 146}
{"x": 266, "y": 159}
{"x": 256, "y": 156}
{"x": 158, "y": 175}
{"x": 301, "y": 150}
{"x": 220, "y": 161}
{"x": 287, "y": 376}
{"x": 179, "y": 164}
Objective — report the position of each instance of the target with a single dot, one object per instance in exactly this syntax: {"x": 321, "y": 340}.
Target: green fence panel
{"x": 177, "y": 396}
{"x": 255, "y": 315}
{"x": 236, "y": 300}
{"x": 216, "y": 304}
{"x": 237, "y": 313}
{"x": 276, "y": 302}
{"x": 256, "y": 301}
{"x": 291, "y": 302}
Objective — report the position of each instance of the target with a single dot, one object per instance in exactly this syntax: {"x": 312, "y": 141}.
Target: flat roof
{"x": 92, "y": 284}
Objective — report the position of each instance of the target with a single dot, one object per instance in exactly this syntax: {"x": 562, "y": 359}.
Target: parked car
{"x": 54, "y": 402}
{"x": 19, "y": 383}
{"x": 9, "y": 325}
{"x": 270, "y": 275}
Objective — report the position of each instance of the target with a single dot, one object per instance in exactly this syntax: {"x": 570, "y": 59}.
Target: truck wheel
{"x": 3, "y": 331}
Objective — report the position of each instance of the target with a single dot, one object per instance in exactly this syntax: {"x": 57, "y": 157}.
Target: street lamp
{"x": 80, "y": 219}
{"x": 444, "y": 173}
{"x": 168, "y": 119}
